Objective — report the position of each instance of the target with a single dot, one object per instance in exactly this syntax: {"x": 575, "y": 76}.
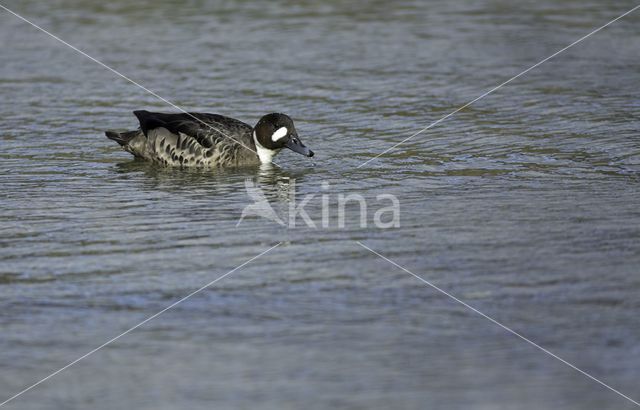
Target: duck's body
{"x": 208, "y": 140}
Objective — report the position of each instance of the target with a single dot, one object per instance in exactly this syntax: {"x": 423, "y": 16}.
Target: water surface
{"x": 525, "y": 206}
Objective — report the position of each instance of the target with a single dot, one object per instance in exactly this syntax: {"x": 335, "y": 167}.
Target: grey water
{"x": 524, "y": 206}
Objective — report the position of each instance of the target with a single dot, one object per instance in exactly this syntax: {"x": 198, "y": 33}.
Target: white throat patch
{"x": 265, "y": 154}
{"x": 279, "y": 134}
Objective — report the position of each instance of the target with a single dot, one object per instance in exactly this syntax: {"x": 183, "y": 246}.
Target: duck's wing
{"x": 205, "y": 128}
{"x": 194, "y": 138}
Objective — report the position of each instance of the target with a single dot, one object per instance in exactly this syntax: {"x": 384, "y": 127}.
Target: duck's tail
{"x": 122, "y": 138}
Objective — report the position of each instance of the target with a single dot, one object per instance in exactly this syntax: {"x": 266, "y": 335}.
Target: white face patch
{"x": 279, "y": 134}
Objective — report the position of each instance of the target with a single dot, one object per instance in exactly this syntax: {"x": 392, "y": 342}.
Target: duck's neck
{"x": 266, "y": 155}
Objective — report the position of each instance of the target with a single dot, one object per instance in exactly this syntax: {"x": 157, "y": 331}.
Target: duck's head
{"x": 274, "y": 132}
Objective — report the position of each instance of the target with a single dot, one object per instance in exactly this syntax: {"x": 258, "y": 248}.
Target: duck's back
{"x": 193, "y": 139}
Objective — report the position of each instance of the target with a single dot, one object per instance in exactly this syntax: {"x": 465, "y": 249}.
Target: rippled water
{"x": 525, "y": 206}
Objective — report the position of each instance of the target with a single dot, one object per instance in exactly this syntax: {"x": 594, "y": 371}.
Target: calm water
{"x": 524, "y": 206}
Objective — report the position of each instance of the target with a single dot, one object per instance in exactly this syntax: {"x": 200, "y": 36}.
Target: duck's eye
{"x": 279, "y": 134}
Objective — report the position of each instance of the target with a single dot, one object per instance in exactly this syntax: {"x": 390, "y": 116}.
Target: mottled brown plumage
{"x": 208, "y": 140}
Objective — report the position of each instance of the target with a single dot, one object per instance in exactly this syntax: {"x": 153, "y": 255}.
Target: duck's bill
{"x": 300, "y": 148}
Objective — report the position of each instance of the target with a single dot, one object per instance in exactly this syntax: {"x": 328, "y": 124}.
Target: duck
{"x": 208, "y": 140}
